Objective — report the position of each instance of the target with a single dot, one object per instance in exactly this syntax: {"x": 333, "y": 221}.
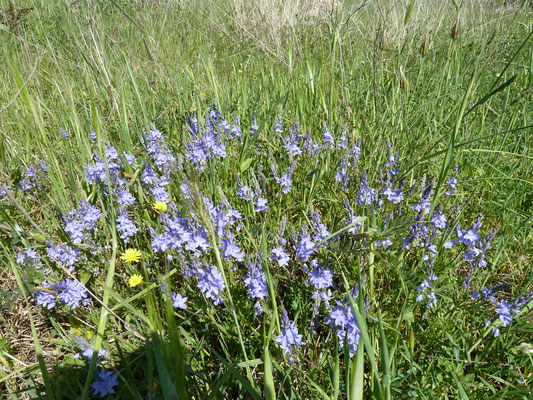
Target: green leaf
{"x": 270, "y": 391}
{"x": 245, "y": 164}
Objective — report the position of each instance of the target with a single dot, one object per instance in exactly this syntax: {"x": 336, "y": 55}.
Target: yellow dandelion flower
{"x": 160, "y": 206}
{"x": 131, "y": 255}
{"x": 78, "y": 332}
{"x": 135, "y": 280}
{"x": 504, "y": 153}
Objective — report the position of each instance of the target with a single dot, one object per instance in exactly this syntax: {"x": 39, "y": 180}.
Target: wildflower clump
{"x": 247, "y": 224}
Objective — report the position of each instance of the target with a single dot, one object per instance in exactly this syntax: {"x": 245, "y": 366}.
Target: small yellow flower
{"x": 504, "y": 153}
{"x": 135, "y": 280}
{"x": 516, "y": 159}
{"x": 89, "y": 334}
{"x": 160, "y": 206}
{"x": 78, "y": 332}
{"x": 131, "y": 255}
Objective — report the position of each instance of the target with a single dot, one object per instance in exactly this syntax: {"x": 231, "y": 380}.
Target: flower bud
{"x": 455, "y": 29}
{"x": 424, "y": 47}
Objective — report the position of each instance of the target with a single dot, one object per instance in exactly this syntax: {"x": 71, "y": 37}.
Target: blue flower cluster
{"x": 256, "y": 285}
{"x": 104, "y": 382}
{"x": 81, "y": 221}
{"x": 191, "y": 227}
{"x": 289, "y": 338}
{"x": 343, "y": 318}
{"x": 67, "y": 292}
{"x": 504, "y": 309}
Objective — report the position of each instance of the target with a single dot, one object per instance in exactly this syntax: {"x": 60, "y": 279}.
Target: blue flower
{"x": 321, "y": 278}
{"x": 160, "y": 194}
{"x": 286, "y": 182}
{"x": 260, "y": 204}
{"x": 291, "y": 142}
{"x": 475, "y": 295}
{"x": 255, "y": 284}
{"x": 343, "y": 318}
{"x": 289, "y": 338}
{"x": 97, "y": 173}
{"x": 280, "y": 255}
{"x": 63, "y": 134}
{"x": 366, "y": 195}
{"x": 81, "y": 221}
{"x": 452, "y": 182}
{"x": 104, "y": 382}
{"x": 148, "y": 176}
{"x": 439, "y": 219}
{"x": 343, "y": 140}
{"x": 254, "y": 125}
{"x": 211, "y": 283}
{"x": 125, "y": 198}
{"x": 235, "y": 130}
{"x": 311, "y": 146}
{"x": 230, "y": 248}
{"x": 306, "y": 247}
{"x": 158, "y": 150}
{"x": 469, "y": 237}
{"x": 384, "y": 243}
{"x": 505, "y": 312}
{"x": 76, "y": 231}
{"x": 72, "y": 293}
{"x": 327, "y": 140}
{"x": 278, "y": 126}
{"x": 44, "y": 298}
{"x": 424, "y": 204}
{"x": 319, "y": 227}
{"x": 178, "y": 301}
{"x": 63, "y": 254}
{"x": 126, "y": 227}
{"x": 28, "y": 257}
{"x": 245, "y": 192}
{"x": 87, "y": 351}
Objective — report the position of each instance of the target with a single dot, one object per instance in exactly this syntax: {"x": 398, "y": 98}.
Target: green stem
{"x": 231, "y": 305}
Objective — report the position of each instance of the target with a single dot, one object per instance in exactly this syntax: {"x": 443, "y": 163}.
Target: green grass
{"x": 117, "y": 67}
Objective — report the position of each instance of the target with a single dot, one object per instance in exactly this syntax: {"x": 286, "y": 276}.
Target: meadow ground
{"x": 271, "y": 199}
